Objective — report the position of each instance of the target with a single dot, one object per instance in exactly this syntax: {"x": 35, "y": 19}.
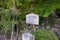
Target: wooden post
{"x": 32, "y": 28}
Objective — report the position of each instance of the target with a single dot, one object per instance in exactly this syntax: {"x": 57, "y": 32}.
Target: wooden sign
{"x": 32, "y": 19}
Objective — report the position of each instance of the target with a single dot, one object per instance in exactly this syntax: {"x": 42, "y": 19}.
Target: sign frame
{"x": 32, "y": 19}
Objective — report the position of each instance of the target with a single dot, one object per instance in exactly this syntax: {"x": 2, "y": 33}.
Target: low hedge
{"x": 44, "y": 35}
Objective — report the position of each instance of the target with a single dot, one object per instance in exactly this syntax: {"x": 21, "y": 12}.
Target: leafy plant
{"x": 41, "y": 7}
{"x": 44, "y": 35}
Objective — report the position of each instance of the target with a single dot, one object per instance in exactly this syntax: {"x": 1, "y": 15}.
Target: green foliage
{"x": 5, "y": 23}
{"x": 44, "y": 35}
{"x": 6, "y": 26}
{"x": 9, "y": 18}
{"x": 42, "y": 7}
{"x": 7, "y": 4}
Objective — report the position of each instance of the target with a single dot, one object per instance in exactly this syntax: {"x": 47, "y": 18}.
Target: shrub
{"x": 44, "y": 35}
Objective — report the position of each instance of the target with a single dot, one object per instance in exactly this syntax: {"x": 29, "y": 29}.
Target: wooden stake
{"x": 32, "y": 27}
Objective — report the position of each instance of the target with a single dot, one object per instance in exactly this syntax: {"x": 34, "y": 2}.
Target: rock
{"x": 56, "y": 31}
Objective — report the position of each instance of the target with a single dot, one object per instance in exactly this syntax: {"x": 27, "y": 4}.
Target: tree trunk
{"x": 14, "y": 9}
{"x": 5, "y": 36}
{"x": 12, "y": 32}
{"x": 12, "y": 36}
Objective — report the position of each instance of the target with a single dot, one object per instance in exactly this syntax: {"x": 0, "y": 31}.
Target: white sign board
{"x": 32, "y": 19}
{"x": 28, "y": 36}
